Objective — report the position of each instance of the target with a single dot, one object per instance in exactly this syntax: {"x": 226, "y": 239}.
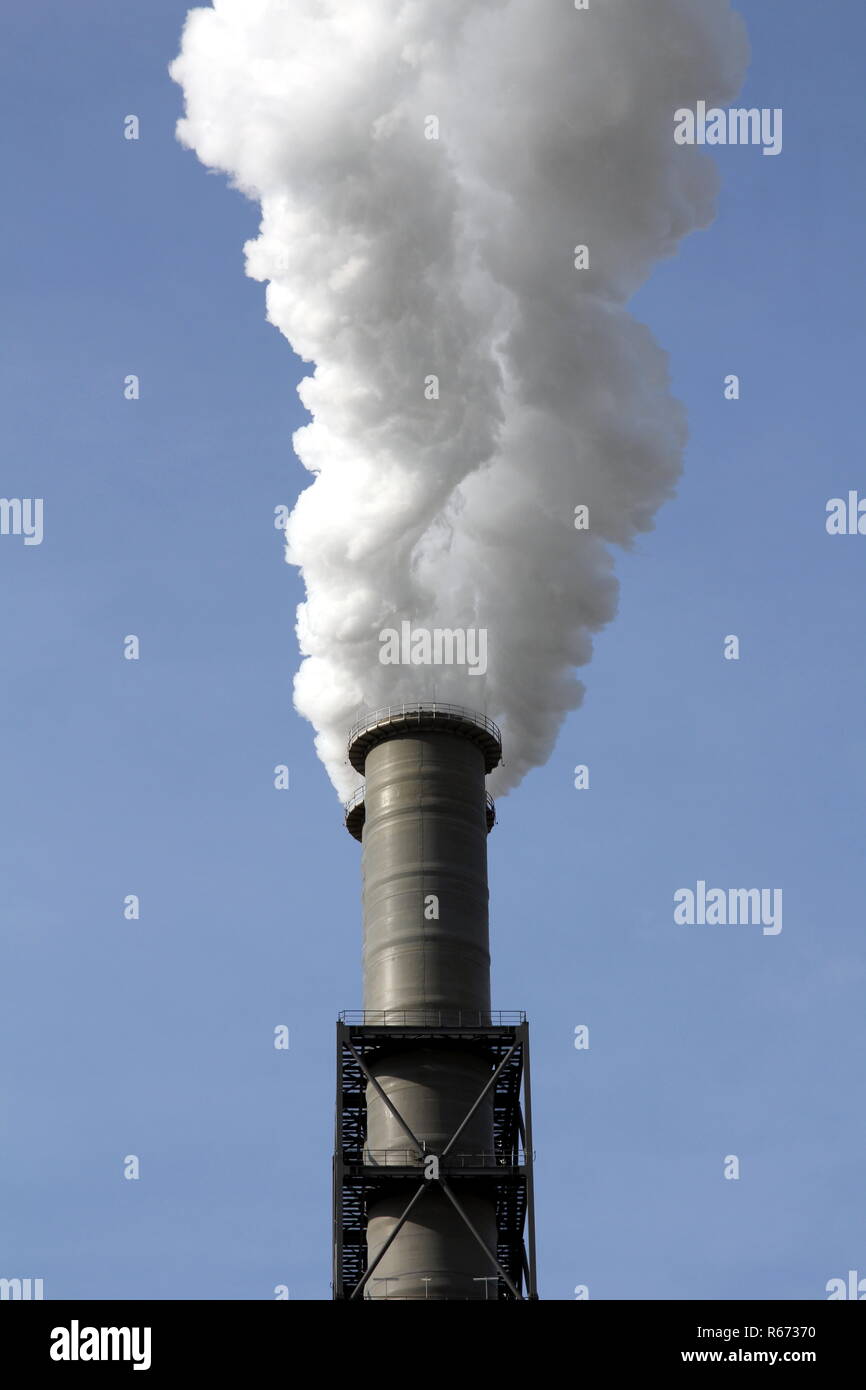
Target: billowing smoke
{"x": 426, "y": 170}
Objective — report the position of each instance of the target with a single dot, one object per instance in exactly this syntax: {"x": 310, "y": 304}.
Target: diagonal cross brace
{"x": 359, "y": 1287}
{"x": 479, "y": 1238}
{"x": 390, "y": 1104}
{"x": 491, "y": 1082}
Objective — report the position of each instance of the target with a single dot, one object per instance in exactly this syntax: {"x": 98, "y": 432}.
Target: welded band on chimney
{"x": 426, "y": 717}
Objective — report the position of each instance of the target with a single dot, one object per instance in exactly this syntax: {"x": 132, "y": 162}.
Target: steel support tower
{"x": 433, "y": 1153}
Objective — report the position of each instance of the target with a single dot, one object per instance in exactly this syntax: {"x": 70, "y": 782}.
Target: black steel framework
{"x": 505, "y": 1174}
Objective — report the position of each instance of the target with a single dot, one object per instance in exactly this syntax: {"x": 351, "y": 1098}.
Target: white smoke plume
{"x": 391, "y": 256}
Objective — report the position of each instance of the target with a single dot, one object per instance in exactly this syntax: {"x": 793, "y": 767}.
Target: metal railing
{"x": 433, "y": 1018}
{"x": 426, "y": 1279}
{"x": 357, "y": 799}
{"x": 419, "y": 710}
{"x": 410, "y": 1158}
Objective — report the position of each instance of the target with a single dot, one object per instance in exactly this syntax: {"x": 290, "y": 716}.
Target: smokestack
{"x": 487, "y": 423}
{"x": 433, "y": 1183}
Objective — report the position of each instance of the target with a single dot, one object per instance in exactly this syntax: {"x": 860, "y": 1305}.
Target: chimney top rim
{"x": 427, "y": 716}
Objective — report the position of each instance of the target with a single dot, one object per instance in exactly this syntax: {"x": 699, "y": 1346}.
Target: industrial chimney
{"x": 433, "y": 1155}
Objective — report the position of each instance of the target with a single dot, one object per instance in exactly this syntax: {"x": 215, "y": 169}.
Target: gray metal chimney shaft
{"x": 425, "y": 817}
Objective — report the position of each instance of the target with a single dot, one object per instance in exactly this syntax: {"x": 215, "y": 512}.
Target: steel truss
{"x": 504, "y": 1175}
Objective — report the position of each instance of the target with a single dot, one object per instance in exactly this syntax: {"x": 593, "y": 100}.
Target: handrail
{"x": 357, "y": 799}
{"x": 410, "y": 1158}
{"x": 447, "y": 1018}
{"x": 421, "y": 709}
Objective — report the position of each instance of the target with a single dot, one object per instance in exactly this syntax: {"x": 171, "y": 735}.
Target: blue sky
{"x": 154, "y": 777}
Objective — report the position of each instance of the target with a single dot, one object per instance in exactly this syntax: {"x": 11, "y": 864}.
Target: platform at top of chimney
{"x": 356, "y": 813}
{"x": 396, "y": 721}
